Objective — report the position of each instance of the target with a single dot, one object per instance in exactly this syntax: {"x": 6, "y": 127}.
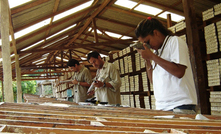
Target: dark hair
{"x": 94, "y": 54}
{"x": 72, "y": 62}
{"x": 147, "y": 26}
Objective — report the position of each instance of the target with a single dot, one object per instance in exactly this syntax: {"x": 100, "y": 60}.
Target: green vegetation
{"x": 27, "y": 87}
{"x": 48, "y": 90}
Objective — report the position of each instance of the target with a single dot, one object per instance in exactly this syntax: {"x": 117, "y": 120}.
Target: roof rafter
{"x": 100, "y": 8}
{"x": 78, "y": 46}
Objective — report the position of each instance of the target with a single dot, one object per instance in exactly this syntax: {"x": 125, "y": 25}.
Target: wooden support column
{"x": 195, "y": 55}
{"x": 169, "y": 22}
{"x": 17, "y": 66}
{"x": 2, "y": 89}
{"x": 95, "y": 31}
{"x": 42, "y": 90}
{"x": 18, "y": 79}
{"x": 62, "y": 55}
{"x": 70, "y": 55}
{"x": 7, "y": 69}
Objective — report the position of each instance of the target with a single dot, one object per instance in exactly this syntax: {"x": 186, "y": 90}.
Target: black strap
{"x": 163, "y": 46}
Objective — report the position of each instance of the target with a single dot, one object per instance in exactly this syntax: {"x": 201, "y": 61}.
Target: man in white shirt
{"x": 108, "y": 82}
{"x": 81, "y": 80}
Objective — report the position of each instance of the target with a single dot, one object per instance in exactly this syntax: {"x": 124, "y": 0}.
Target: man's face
{"x": 96, "y": 62}
{"x": 74, "y": 69}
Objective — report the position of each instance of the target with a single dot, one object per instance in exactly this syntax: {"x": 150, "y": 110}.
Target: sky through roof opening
{"x": 59, "y": 58}
{"x": 32, "y": 45}
{"x": 61, "y": 31}
{"x": 174, "y": 17}
{"x": 15, "y": 3}
{"x": 111, "y": 34}
{"x": 39, "y": 60}
{"x": 126, "y": 3}
{"x": 73, "y": 10}
{"x": 32, "y": 28}
{"x": 148, "y": 9}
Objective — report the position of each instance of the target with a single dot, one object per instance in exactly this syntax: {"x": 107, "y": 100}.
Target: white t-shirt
{"x": 170, "y": 91}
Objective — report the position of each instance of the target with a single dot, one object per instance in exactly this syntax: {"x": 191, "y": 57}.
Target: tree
{"x": 28, "y": 87}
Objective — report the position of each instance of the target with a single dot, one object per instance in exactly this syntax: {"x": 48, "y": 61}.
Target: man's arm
{"x": 171, "y": 67}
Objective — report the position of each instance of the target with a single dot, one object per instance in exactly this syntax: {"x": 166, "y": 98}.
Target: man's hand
{"x": 90, "y": 93}
{"x": 75, "y": 82}
{"x": 98, "y": 84}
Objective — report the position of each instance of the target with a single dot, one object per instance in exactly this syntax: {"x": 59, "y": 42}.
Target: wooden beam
{"x": 51, "y": 15}
{"x": 167, "y": 8}
{"x": 171, "y": 7}
{"x": 169, "y": 22}
{"x": 117, "y": 22}
{"x": 95, "y": 31}
{"x": 18, "y": 69}
{"x": 39, "y": 32}
{"x": 196, "y": 56}
{"x": 51, "y": 21}
{"x": 28, "y": 6}
{"x": 40, "y": 79}
{"x": 18, "y": 79}
{"x": 78, "y": 46}
{"x": 44, "y": 72}
{"x": 85, "y": 37}
{"x": 127, "y": 12}
{"x": 50, "y": 75}
{"x": 100, "y": 8}
{"x": 215, "y": 1}
{"x": 7, "y": 69}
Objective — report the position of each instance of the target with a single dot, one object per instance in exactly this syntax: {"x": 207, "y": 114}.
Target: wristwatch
{"x": 78, "y": 83}
{"x": 104, "y": 84}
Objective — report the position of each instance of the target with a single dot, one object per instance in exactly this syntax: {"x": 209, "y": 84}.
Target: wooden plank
{"x": 85, "y": 111}
{"x": 25, "y": 129}
{"x": 115, "y": 127}
{"x": 2, "y": 128}
{"x": 107, "y": 125}
{"x": 86, "y": 119}
{"x": 99, "y": 119}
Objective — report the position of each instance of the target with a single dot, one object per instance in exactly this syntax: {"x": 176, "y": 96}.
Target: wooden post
{"x": 42, "y": 90}
{"x": 195, "y": 55}
{"x": 169, "y": 22}
{"x": 7, "y": 69}
{"x": 18, "y": 70}
{"x": 2, "y": 89}
{"x": 95, "y": 31}
{"x": 18, "y": 79}
{"x": 70, "y": 56}
{"x": 62, "y": 58}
